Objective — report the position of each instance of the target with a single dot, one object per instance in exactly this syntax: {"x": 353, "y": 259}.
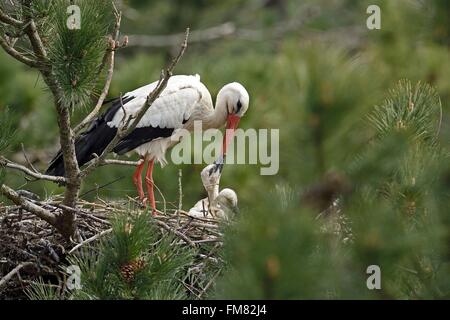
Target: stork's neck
{"x": 218, "y": 117}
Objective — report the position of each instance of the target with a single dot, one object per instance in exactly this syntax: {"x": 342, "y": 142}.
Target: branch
{"x": 36, "y": 41}
{"x": 26, "y": 158}
{"x": 98, "y": 235}
{"x": 127, "y": 129}
{"x": 8, "y": 277}
{"x": 27, "y": 205}
{"x": 109, "y": 56}
{"x": 227, "y": 29}
{"x": 17, "y": 55}
{"x": 9, "y": 20}
{"x": 120, "y": 162}
{"x": 66, "y": 136}
{"x": 162, "y": 41}
{"x": 176, "y": 232}
{"x": 11, "y": 165}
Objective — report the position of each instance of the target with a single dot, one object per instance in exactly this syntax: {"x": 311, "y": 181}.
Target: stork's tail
{"x": 91, "y": 142}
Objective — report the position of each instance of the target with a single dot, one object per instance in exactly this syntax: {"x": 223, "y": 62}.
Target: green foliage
{"x": 40, "y": 290}
{"x": 395, "y": 217}
{"x": 132, "y": 239}
{"x": 136, "y": 261}
{"x": 276, "y": 254}
{"x": 75, "y": 55}
{"x": 416, "y": 109}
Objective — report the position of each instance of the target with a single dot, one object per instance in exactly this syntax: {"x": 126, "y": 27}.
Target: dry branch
{"x": 28, "y": 205}
{"x": 120, "y": 162}
{"x": 93, "y": 238}
{"x": 8, "y": 277}
{"x": 172, "y": 40}
{"x": 9, "y": 164}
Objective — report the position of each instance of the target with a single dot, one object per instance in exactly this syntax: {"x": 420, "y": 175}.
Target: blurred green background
{"x": 312, "y": 68}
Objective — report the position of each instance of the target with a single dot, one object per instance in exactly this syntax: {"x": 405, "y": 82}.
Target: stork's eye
{"x": 239, "y": 106}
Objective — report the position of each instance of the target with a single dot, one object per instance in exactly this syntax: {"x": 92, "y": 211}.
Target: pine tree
{"x": 395, "y": 216}
{"x": 136, "y": 261}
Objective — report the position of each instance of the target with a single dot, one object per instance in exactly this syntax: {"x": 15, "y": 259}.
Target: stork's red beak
{"x": 232, "y": 124}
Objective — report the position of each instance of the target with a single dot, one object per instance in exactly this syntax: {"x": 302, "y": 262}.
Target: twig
{"x": 211, "y": 281}
{"x": 209, "y": 34}
{"x": 121, "y": 162}
{"x": 206, "y": 241}
{"x": 8, "y": 277}
{"x": 26, "y": 158}
{"x": 176, "y": 232}
{"x": 102, "y": 186}
{"x": 110, "y": 55}
{"x": 180, "y": 195}
{"x": 125, "y": 130}
{"x": 93, "y": 238}
{"x": 9, "y": 164}
{"x": 82, "y": 213}
{"x": 163, "y": 198}
{"x": 180, "y": 189}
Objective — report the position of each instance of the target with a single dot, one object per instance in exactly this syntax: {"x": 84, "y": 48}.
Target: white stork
{"x": 222, "y": 205}
{"x": 183, "y": 101}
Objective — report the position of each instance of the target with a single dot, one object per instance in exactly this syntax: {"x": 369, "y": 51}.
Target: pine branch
{"x": 16, "y": 54}
{"x": 63, "y": 113}
{"x": 416, "y": 109}
{"x": 109, "y": 56}
{"x": 9, "y": 20}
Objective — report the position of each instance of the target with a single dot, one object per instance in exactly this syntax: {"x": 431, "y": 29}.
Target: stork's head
{"x": 227, "y": 201}
{"x": 235, "y": 99}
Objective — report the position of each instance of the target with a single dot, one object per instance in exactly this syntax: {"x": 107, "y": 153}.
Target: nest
{"x": 31, "y": 249}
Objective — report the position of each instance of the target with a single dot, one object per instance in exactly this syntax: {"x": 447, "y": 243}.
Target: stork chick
{"x": 222, "y": 205}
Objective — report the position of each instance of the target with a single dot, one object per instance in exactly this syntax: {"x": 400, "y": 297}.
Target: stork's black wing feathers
{"x": 94, "y": 140}
{"x": 139, "y": 136}
{"x": 99, "y": 134}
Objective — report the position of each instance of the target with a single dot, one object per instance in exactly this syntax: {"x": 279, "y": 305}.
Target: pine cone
{"x": 129, "y": 270}
{"x": 138, "y": 264}
{"x": 127, "y": 273}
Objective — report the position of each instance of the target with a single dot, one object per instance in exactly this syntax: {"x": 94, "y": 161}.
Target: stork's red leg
{"x": 149, "y": 184}
{"x": 137, "y": 179}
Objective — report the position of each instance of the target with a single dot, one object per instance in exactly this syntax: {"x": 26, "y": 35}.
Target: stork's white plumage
{"x": 224, "y": 206}
{"x": 184, "y": 101}
{"x": 221, "y": 204}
